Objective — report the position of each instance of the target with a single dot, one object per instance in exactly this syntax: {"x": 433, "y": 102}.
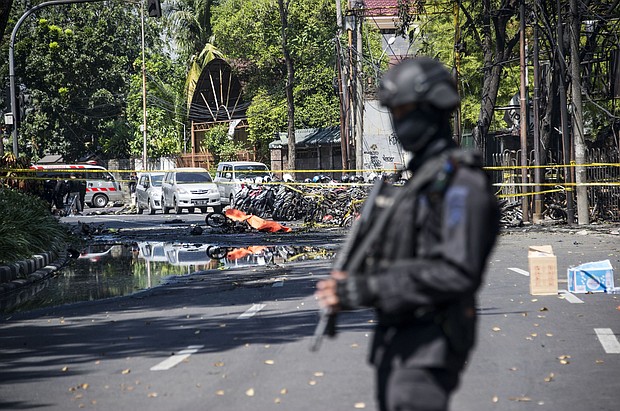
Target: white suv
{"x": 189, "y": 188}
{"x": 231, "y": 175}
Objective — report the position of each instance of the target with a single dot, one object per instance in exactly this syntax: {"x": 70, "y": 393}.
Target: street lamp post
{"x": 144, "y": 129}
{"x": 12, "y": 58}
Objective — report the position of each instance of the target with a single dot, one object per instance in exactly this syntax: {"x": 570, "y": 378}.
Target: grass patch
{"x": 27, "y": 227}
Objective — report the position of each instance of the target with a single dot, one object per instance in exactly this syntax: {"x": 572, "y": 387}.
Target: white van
{"x": 101, "y": 186}
{"x": 189, "y": 188}
{"x": 230, "y": 176}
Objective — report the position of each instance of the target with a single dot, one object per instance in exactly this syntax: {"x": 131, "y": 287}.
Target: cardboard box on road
{"x": 595, "y": 277}
{"x": 543, "y": 270}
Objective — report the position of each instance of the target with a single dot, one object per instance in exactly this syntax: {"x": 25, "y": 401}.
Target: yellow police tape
{"x": 507, "y": 175}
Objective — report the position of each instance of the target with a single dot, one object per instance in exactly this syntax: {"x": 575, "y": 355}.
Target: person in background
{"x": 132, "y": 184}
{"x": 60, "y": 191}
{"x": 82, "y": 185}
{"x": 424, "y": 268}
{"x": 74, "y": 194}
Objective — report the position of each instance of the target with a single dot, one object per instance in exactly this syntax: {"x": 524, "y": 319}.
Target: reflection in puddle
{"x": 112, "y": 270}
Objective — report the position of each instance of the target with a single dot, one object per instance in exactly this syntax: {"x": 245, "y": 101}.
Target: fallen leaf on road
{"x": 549, "y": 335}
{"x": 84, "y": 386}
{"x": 64, "y": 369}
{"x": 319, "y": 374}
{"x": 599, "y": 361}
{"x": 564, "y": 359}
{"x": 269, "y": 362}
{"x": 219, "y": 364}
{"x": 550, "y": 378}
{"x": 359, "y": 405}
{"x": 496, "y": 329}
{"x": 219, "y": 392}
{"x": 495, "y": 398}
{"x": 152, "y": 394}
{"x": 277, "y": 400}
{"x": 283, "y": 391}
{"x": 250, "y": 392}
{"x": 354, "y": 345}
{"x": 127, "y": 371}
{"x": 312, "y": 382}
{"x": 543, "y": 309}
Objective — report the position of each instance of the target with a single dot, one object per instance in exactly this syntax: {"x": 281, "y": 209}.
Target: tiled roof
{"x": 381, "y": 7}
{"x": 381, "y": 3}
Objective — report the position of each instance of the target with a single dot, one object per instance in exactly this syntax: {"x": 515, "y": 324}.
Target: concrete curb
{"x": 25, "y": 272}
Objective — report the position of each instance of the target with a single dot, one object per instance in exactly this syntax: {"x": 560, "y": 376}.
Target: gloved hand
{"x": 354, "y": 292}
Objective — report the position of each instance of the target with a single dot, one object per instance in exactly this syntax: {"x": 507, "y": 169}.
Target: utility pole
{"x": 144, "y": 132}
{"x": 524, "y": 120}
{"x": 342, "y": 92}
{"x": 583, "y": 211}
{"x": 456, "y": 70}
{"x": 359, "y": 97}
{"x": 537, "y": 215}
{"x": 566, "y": 143}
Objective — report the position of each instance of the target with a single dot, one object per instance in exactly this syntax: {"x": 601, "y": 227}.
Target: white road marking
{"x": 608, "y": 340}
{"x": 251, "y": 312}
{"x": 176, "y": 358}
{"x": 571, "y": 298}
{"x": 519, "y": 271}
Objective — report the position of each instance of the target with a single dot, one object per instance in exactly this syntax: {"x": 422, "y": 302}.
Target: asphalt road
{"x": 238, "y": 339}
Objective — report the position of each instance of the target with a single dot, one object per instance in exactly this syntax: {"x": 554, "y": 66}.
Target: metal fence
{"x": 602, "y": 173}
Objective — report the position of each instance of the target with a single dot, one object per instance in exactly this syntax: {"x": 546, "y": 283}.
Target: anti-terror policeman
{"x": 424, "y": 269}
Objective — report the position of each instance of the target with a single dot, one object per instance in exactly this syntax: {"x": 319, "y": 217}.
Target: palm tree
{"x": 189, "y": 25}
{"x": 197, "y": 63}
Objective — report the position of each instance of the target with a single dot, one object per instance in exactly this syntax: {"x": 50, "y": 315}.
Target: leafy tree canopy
{"x": 81, "y": 67}
{"x": 249, "y": 34}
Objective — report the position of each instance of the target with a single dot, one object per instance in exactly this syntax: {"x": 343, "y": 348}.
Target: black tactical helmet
{"x": 419, "y": 80}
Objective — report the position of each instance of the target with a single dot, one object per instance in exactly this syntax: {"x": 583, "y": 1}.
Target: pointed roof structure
{"x": 217, "y": 96}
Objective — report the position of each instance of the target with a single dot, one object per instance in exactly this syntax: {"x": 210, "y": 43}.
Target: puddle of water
{"x": 112, "y": 270}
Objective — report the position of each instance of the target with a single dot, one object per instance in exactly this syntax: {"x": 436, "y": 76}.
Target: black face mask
{"x": 416, "y": 129}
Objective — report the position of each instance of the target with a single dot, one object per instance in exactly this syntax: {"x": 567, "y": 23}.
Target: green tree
{"x": 164, "y": 111}
{"x": 217, "y": 142}
{"x": 5, "y": 11}
{"x": 188, "y": 24}
{"x": 250, "y": 34}
{"x": 78, "y": 64}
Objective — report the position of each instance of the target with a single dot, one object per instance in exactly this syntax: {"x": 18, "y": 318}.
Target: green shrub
{"x": 27, "y": 227}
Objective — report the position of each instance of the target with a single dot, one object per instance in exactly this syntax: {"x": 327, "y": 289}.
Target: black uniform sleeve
{"x": 453, "y": 265}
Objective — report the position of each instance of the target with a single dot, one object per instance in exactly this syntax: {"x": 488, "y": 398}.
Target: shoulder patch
{"x": 455, "y": 205}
